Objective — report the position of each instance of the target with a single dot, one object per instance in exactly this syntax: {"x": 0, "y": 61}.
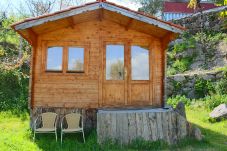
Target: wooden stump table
{"x": 126, "y": 125}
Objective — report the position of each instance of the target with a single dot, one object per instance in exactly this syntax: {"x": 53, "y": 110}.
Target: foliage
{"x": 213, "y": 101}
{"x": 181, "y": 54}
{"x": 177, "y": 62}
{"x": 209, "y": 42}
{"x": 203, "y": 87}
{"x": 14, "y": 67}
{"x": 209, "y": 102}
{"x": 117, "y": 70}
{"x": 175, "y": 100}
{"x": 221, "y": 2}
{"x": 151, "y": 7}
{"x": 13, "y": 90}
{"x": 182, "y": 65}
{"x": 221, "y": 86}
{"x": 193, "y": 4}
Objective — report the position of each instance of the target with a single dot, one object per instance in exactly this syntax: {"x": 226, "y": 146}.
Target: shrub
{"x": 214, "y": 100}
{"x": 221, "y": 86}
{"x": 203, "y": 87}
{"x": 173, "y": 101}
{"x": 182, "y": 65}
{"x": 13, "y": 90}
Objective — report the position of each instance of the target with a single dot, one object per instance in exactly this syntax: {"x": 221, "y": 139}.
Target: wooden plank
{"x": 132, "y": 127}
{"x": 150, "y": 124}
{"x": 146, "y": 133}
{"x": 159, "y": 126}
{"x": 153, "y": 126}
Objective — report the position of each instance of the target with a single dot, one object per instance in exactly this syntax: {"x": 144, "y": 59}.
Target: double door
{"x": 127, "y": 75}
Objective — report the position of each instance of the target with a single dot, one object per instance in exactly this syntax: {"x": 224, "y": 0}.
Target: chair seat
{"x": 45, "y": 130}
{"x": 72, "y": 129}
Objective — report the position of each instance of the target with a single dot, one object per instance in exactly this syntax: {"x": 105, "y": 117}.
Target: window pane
{"x": 114, "y": 62}
{"x": 54, "y": 58}
{"x": 75, "y": 59}
{"x": 140, "y": 63}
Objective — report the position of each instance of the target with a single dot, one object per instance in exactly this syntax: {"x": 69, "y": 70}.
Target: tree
{"x": 151, "y": 7}
{"x": 67, "y": 3}
{"x": 117, "y": 70}
{"x": 40, "y": 7}
{"x": 194, "y": 4}
{"x": 78, "y": 65}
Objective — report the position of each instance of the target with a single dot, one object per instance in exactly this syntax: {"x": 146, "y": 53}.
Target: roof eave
{"x": 94, "y": 6}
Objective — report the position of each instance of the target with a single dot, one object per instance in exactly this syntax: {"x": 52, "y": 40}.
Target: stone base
{"x": 89, "y": 115}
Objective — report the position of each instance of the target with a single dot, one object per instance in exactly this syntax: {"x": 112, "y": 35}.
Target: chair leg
{"x": 83, "y": 136}
{"x": 56, "y": 136}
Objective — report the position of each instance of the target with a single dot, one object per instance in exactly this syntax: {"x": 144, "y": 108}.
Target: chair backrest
{"x": 73, "y": 120}
{"x": 49, "y": 119}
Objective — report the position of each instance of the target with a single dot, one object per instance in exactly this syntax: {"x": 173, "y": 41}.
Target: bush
{"x": 13, "y": 90}
{"x": 203, "y": 88}
{"x": 173, "y": 101}
{"x": 209, "y": 102}
{"x": 221, "y": 86}
{"x": 183, "y": 64}
{"x": 215, "y": 100}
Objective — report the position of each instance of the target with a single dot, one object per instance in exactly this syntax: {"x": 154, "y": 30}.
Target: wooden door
{"x": 115, "y": 74}
{"x": 127, "y": 75}
{"x": 139, "y": 83}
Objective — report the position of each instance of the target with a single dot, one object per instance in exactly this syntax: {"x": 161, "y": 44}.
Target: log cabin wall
{"x": 88, "y": 90}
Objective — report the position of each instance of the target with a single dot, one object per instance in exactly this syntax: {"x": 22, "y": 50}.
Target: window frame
{"x": 149, "y": 63}
{"x": 62, "y": 63}
{"x": 65, "y": 45}
{"x": 67, "y": 63}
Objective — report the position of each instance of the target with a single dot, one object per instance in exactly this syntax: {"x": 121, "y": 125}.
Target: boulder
{"x": 180, "y": 108}
{"x": 219, "y": 112}
{"x": 197, "y": 133}
{"x": 179, "y": 78}
{"x": 194, "y": 132}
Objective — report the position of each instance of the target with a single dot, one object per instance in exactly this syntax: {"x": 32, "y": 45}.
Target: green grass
{"x": 15, "y": 135}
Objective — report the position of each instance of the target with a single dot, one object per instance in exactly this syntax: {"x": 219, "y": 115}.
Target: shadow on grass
{"x": 74, "y": 142}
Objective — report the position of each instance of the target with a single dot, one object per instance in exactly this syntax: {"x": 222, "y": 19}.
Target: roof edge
{"x": 30, "y": 22}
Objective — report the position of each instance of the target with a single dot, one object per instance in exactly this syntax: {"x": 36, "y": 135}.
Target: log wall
{"x": 89, "y": 89}
{"x": 124, "y": 126}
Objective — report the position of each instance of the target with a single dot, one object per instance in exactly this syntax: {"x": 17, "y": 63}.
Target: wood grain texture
{"x": 147, "y": 124}
{"x": 90, "y": 89}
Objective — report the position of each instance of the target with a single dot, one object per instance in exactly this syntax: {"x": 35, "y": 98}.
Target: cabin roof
{"x": 27, "y": 28}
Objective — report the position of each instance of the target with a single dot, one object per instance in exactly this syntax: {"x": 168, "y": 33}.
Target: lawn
{"x": 16, "y": 136}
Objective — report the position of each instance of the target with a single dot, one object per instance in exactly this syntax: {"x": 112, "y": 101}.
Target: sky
{"x": 16, "y": 5}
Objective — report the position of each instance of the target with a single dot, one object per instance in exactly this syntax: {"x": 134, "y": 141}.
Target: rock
{"x": 194, "y": 132}
{"x": 219, "y": 112}
{"x": 180, "y": 108}
{"x": 197, "y": 133}
{"x": 179, "y": 78}
{"x": 191, "y": 94}
{"x": 197, "y": 64}
{"x": 219, "y": 75}
{"x": 208, "y": 77}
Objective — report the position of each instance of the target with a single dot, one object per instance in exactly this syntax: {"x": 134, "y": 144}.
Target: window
{"x": 54, "y": 59}
{"x": 115, "y": 62}
{"x": 75, "y": 59}
{"x": 140, "y": 63}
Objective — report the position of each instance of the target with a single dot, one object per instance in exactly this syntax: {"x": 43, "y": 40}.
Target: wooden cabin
{"x": 98, "y": 55}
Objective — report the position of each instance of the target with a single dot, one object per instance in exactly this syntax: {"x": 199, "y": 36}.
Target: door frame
{"x": 128, "y": 82}
{"x": 123, "y": 42}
